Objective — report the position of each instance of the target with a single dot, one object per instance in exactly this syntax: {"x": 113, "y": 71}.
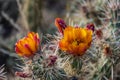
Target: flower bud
{"x": 91, "y": 26}
{"x": 60, "y": 24}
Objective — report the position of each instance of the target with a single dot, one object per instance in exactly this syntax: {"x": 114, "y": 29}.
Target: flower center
{"x": 77, "y": 42}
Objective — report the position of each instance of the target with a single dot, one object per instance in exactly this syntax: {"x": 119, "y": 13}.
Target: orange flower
{"x": 76, "y": 40}
{"x": 28, "y": 45}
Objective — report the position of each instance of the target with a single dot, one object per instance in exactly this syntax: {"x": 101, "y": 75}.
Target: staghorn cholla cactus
{"x": 99, "y": 61}
{"x": 46, "y": 68}
{"x": 103, "y": 54}
{"x": 75, "y": 53}
{"x": 42, "y": 63}
{"x": 93, "y": 54}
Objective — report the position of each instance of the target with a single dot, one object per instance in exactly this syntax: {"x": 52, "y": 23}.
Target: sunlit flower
{"x": 60, "y": 24}
{"x": 76, "y": 40}
{"x": 28, "y": 45}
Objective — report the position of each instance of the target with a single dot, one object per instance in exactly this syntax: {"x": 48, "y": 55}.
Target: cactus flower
{"x": 28, "y": 46}
{"x": 76, "y": 40}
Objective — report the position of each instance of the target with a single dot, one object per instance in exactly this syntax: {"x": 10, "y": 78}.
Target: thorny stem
{"x": 56, "y": 49}
{"x": 112, "y": 72}
{"x": 33, "y": 77}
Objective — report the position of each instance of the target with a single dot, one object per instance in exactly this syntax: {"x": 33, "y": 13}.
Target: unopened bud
{"x": 107, "y": 50}
{"x": 52, "y": 60}
{"x": 91, "y": 26}
{"x": 99, "y": 33}
{"x": 60, "y": 24}
{"x": 22, "y": 74}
